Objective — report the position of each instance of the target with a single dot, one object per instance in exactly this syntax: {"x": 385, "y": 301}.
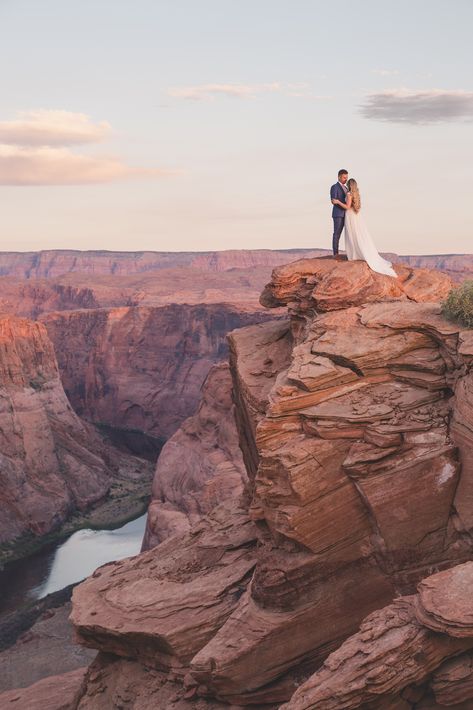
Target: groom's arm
{"x": 333, "y": 194}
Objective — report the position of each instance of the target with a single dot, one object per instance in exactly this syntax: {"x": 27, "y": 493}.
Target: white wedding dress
{"x": 359, "y": 245}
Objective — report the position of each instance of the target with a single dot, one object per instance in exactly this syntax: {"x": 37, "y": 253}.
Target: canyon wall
{"x": 183, "y": 285}
{"x": 200, "y": 466}
{"x": 141, "y": 368}
{"x": 352, "y": 428}
{"x": 51, "y": 462}
{"x": 55, "y": 263}
{"x": 52, "y": 263}
{"x": 353, "y": 416}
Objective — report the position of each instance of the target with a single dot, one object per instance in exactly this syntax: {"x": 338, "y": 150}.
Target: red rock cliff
{"x": 141, "y": 367}
{"x": 200, "y": 466}
{"x": 355, "y": 426}
{"x": 52, "y": 463}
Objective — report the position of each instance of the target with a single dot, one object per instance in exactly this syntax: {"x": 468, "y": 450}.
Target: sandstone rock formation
{"x": 184, "y": 285}
{"x": 51, "y": 462}
{"x": 397, "y": 657}
{"x": 140, "y": 368}
{"x": 31, "y": 298}
{"x": 161, "y": 607}
{"x": 353, "y": 419}
{"x": 200, "y": 466}
{"x": 39, "y": 282}
{"x": 57, "y": 692}
{"x": 55, "y": 263}
{"x": 321, "y": 285}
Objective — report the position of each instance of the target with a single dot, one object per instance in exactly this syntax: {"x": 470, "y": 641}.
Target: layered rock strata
{"x": 54, "y": 263}
{"x": 353, "y": 432}
{"x": 414, "y": 653}
{"x": 200, "y": 466}
{"x": 51, "y": 462}
{"x": 141, "y": 368}
{"x": 162, "y": 606}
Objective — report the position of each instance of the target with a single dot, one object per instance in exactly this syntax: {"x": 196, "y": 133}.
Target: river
{"x": 75, "y": 559}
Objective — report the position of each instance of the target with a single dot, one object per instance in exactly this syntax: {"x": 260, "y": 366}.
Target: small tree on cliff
{"x": 458, "y": 306}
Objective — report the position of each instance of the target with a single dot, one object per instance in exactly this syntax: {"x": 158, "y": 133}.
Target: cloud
{"x": 206, "y": 92}
{"x": 209, "y": 92}
{"x": 418, "y": 107}
{"x": 59, "y": 166}
{"x": 43, "y": 127}
{"x": 34, "y": 151}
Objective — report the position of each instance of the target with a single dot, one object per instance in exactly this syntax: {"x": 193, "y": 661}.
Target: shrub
{"x": 458, "y": 306}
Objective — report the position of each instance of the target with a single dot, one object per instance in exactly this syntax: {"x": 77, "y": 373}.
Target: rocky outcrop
{"x": 399, "y": 652}
{"x": 113, "y": 682}
{"x": 354, "y": 448}
{"x": 51, "y": 462}
{"x": 57, "y": 692}
{"x": 141, "y": 368}
{"x": 200, "y": 466}
{"x": 321, "y": 285}
{"x": 161, "y": 607}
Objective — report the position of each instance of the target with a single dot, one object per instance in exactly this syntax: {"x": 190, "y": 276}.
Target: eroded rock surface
{"x": 354, "y": 447}
{"x": 51, "y": 462}
{"x": 394, "y": 650}
{"x": 120, "y": 683}
{"x": 141, "y": 368}
{"x": 200, "y": 466}
{"x": 57, "y": 692}
{"x": 163, "y": 606}
{"x": 327, "y": 285}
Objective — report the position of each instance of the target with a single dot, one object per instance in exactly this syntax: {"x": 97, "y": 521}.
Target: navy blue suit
{"x": 338, "y": 213}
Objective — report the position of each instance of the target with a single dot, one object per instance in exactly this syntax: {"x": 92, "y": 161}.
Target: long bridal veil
{"x": 359, "y": 244}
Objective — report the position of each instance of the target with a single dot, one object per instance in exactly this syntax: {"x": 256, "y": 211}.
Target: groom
{"x": 338, "y": 192}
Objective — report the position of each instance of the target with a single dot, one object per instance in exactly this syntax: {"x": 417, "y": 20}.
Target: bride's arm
{"x": 346, "y": 206}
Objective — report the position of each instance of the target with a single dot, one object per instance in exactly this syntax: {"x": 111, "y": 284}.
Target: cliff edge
{"x": 355, "y": 424}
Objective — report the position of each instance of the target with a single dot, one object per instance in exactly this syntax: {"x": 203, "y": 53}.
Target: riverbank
{"x": 36, "y": 637}
{"x": 126, "y": 500}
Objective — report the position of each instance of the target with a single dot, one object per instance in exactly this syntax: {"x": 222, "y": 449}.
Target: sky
{"x": 193, "y": 125}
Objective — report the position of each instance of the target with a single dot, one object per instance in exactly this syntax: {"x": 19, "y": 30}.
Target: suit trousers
{"x": 338, "y": 224}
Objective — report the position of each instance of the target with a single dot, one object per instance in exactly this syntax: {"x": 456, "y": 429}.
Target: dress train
{"x": 359, "y": 244}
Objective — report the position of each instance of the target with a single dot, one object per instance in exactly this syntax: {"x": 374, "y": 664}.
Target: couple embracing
{"x": 346, "y": 212}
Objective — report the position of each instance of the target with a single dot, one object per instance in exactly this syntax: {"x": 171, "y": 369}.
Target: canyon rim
{"x": 310, "y": 522}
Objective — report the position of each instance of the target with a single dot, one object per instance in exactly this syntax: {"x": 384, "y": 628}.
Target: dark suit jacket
{"x": 338, "y": 193}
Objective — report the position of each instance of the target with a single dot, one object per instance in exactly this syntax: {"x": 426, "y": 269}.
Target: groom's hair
{"x": 342, "y": 172}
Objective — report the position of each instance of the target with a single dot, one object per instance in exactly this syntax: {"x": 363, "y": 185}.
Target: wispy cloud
{"x": 60, "y": 166}
{"x": 209, "y": 92}
{"x": 45, "y": 127}
{"x": 418, "y": 107}
{"x": 206, "y": 92}
{"x": 34, "y": 151}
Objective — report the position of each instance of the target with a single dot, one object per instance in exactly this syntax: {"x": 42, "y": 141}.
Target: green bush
{"x": 458, "y": 306}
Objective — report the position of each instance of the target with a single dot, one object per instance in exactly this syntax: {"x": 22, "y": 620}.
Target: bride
{"x": 358, "y": 242}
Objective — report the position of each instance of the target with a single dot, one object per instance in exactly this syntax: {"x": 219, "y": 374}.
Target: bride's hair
{"x": 355, "y": 194}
